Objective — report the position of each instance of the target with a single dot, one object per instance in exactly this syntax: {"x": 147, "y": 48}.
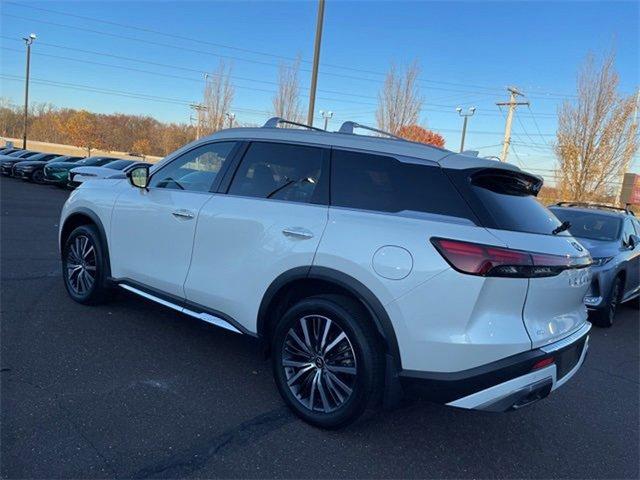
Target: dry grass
{"x": 71, "y": 150}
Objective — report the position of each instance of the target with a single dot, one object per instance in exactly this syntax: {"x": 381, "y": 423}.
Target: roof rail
{"x": 626, "y": 208}
{"x": 273, "y": 122}
{"x": 348, "y": 127}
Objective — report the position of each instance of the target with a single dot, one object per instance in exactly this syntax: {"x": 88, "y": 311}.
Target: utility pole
{"x": 326, "y": 116}
{"x": 231, "y": 117}
{"x": 28, "y": 41}
{"x": 466, "y": 116}
{"x": 199, "y": 108}
{"x": 316, "y": 59}
{"x": 512, "y": 104}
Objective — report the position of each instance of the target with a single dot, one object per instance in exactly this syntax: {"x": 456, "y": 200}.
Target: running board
{"x": 205, "y": 317}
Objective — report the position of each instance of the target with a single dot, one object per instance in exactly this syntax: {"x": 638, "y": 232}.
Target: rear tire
{"x": 327, "y": 361}
{"x": 605, "y": 316}
{"x": 84, "y": 266}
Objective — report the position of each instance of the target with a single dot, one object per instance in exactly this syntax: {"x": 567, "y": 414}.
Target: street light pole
{"x": 466, "y": 116}
{"x": 326, "y": 116}
{"x": 28, "y": 41}
{"x": 316, "y": 59}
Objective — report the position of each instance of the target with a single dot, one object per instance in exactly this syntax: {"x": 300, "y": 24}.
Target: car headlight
{"x": 598, "y": 262}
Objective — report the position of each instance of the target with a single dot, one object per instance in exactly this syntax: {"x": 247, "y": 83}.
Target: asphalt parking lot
{"x": 131, "y": 389}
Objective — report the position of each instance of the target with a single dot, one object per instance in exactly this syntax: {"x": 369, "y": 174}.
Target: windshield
{"x": 94, "y": 161}
{"x": 118, "y": 164}
{"x": 590, "y": 225}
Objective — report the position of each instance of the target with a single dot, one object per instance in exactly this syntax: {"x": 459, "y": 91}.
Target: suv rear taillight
{"x": 490, "y": 261}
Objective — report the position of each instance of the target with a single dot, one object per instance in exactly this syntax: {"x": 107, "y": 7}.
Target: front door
{"x": 152, "y": 230}
{"x": 270, "y": 221}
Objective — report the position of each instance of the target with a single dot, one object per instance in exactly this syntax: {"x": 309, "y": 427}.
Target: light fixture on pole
{"x": 326, "y": 116}
{"x": 231, "y": 116}
{"x": 466, "y": 116}
{"x": 28, "y": 41}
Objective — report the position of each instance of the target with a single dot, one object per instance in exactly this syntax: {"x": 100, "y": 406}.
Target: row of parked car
{"x": 62, "y": 170}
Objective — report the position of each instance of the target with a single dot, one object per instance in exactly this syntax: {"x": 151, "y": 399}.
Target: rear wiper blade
{"x": 566, "y": 225}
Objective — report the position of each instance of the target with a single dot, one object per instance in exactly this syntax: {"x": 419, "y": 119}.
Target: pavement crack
{"x": 69, "y": 417}
{"x": 193, "y": 459}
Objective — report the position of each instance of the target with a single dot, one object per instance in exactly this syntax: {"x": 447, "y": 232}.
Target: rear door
{"x": 506, "y": 203}
{"x": 270, "y": 221}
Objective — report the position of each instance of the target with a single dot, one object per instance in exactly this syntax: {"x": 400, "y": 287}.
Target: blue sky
{"x": 468, "y": 51}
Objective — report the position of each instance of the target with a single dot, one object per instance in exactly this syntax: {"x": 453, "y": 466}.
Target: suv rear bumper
{"x": 507, "y": 384}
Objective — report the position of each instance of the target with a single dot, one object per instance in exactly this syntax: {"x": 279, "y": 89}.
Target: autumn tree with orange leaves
{"x": 416, "y": 133}
{"x": 83, "y": 131}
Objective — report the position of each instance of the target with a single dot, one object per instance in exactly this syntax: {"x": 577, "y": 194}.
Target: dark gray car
{"x": 612, "y": 236}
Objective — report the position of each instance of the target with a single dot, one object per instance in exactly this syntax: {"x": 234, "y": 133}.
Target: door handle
{"x": 301, "y": 233}
{"x": 185, "y": 214}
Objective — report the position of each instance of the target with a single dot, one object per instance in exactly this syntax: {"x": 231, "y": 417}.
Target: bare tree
{"x": 218, "y": 96}
{"x": 286, "y": 101}
{"x": 399, "y": 101}
{"x": 596, "y": 135}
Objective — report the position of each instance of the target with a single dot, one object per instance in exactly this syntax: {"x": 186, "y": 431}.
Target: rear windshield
{"x": 505, "y": 200}
{"x": 590, "y": 225}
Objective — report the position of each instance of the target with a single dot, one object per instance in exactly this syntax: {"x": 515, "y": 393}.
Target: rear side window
{"x": 505, "y": 200}
{"x": 385, "y": 184}
{"x": 280, "y": 171}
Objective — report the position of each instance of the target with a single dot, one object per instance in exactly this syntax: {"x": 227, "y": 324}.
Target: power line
{"x": 231, "y": 57}
{"x": 232, "y": 47}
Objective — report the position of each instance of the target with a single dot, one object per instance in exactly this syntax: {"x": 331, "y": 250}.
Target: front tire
{"x": 84, "y": 266}
{"x": 37, "y": 177}
{"x": 605, "y": 316}
{"x": 327, "y": 361}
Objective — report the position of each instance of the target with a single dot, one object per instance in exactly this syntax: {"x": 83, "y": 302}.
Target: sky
{"x": 149, "y": 58}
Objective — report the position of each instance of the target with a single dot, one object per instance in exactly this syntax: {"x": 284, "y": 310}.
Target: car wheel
{"x": 84, "y": 266}
{"x": 326, "y": 360}
{"x": 37, "y": 176}
{"x": 605, "y": 316}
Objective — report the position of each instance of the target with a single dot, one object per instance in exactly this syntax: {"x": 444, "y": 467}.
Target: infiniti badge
{"x": 577, "y": 246}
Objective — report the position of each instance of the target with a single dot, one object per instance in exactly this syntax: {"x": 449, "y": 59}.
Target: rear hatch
{"x": 558, "y": 278}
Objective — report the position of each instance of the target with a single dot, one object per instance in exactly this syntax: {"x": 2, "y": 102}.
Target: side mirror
{"x": 139, "y": 176}
{"x": 634, "y": 241}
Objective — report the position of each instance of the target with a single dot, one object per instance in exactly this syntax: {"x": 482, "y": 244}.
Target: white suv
{"x": 362, "y": 262}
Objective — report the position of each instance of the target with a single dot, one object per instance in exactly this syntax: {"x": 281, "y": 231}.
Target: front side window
{"x": 295, "y": 173}
{"x": 195, "y": 170}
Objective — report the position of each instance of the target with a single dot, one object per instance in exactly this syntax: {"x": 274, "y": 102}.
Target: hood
{"x": 7, "y": 157}
{"x": 30, "y": 163}
{"x": 59, "y": 166}
{"x": 600, "y": 248}
{"x": 10, "y": 160}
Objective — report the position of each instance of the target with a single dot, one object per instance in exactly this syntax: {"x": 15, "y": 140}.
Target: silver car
{"x": 612, "y": 236}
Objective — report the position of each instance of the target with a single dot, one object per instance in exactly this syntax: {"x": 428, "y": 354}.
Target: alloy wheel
{"x": 81, "y": 265}
{"x": 319, "y": 363}
{"x": 38, "y": 176}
